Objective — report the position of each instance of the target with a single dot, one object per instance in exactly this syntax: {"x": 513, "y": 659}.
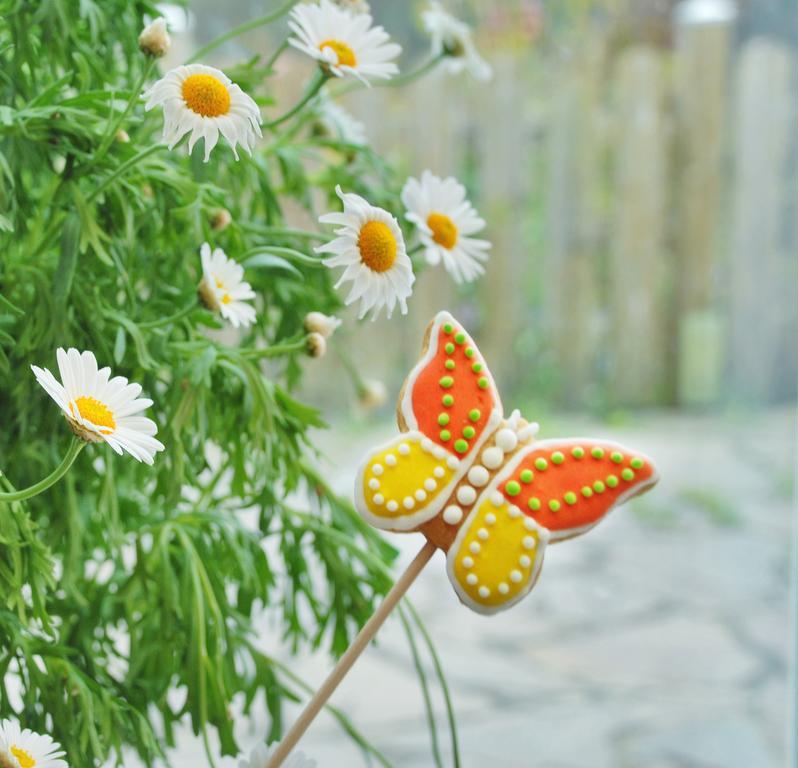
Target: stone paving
{"x": 657, "y": 641}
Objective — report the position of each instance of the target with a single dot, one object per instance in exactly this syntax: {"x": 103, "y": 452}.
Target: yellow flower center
{"x": 227, "y": 298}
{"x": 24, "y": 758}
{"x": 206, "y": 95}
{"x": 96, "y": 412}
{"x": 444, "y": 231}
{"x": 346, "y": 56}
{"x": 377, "y": 246}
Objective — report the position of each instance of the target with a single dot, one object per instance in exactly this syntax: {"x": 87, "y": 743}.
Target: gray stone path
{"x": 659, "y": 640}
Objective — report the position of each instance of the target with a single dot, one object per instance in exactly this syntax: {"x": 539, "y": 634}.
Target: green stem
{"x": 315, "y": 86}
{"x": 124, "y": 167}
{"x": 276, "y": 55}
{"x": 75, "y": 447}
{"x": 134, "y": 97}
{"x": 276, "y": 350}
{"x": 187, "y": 310}
{"x": 242, "y": 29}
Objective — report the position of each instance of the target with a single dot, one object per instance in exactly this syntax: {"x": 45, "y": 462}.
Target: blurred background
{"x": 637, "y": 164}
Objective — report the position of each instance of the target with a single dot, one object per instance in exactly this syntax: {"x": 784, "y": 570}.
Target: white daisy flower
{"x": 26, "y": 749}
{"x": 259, "y": 758}
{"x": 445, "y": 221}
{"x": 452, "y": 38}
{"x": 344, "y": 42}
{"x": 337, "y": 122}
{"x": 205, "y": 102}
{"x": 101, "y": 408}
{"x": 223, "y": 288}
{"x": 371, "y": 247}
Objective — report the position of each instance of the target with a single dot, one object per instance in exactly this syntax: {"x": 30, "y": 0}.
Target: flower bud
{"x": 372, "y": 394}
{"x": 316, "y": 345}
{"x": 220, "y": 219}
{"x": 154, "y": 39}
{"x": 122, "y": 136}
{"x": 324, "y": 325}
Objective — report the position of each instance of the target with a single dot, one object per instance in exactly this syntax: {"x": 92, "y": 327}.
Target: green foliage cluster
{"x": 124, "y": 583}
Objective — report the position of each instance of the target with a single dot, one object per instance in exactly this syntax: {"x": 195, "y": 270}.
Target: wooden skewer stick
{"x": 346, "y": 661}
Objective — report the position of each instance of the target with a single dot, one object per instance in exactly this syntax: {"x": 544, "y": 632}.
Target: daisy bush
{"x": 159, "y": 488}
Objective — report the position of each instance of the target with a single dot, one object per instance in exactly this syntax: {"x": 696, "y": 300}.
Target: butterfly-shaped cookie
{"x": 477, "y": 484}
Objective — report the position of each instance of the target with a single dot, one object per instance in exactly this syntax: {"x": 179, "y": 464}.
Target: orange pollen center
{"x": 346, "y": 56}
{"x": 444, "y": 231}
{"x": 377, "y": 246}
{"x": 206, "y": 95}
{"x": 25, "y": 759}
{"x": 96, "y": 412}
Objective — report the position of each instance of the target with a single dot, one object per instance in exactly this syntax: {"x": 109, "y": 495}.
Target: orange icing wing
{"x": 450, "y": 395}
{"x": 568, "y": 486}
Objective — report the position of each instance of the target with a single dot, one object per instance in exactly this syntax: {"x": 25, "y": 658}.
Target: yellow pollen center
{"x": 96, "y": 412}
{"x": 24, "y": 758}
{"x": 444, "y": 231}
{"x": 206, "y": 95}
{"x": 377, "y": 246}
{"x": 227, "y": 298}
{"x": 346, "y": 56}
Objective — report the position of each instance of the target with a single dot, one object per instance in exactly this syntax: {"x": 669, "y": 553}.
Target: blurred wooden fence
{"x": 642, "y": 204}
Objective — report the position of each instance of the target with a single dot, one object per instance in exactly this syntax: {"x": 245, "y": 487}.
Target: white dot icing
{"x": 466, "y": 495}
{"x": 409, "y": 502}
{"x": 427, "y": 445}
{"x": 496, "y": 499}
{"x": 468, "y": 562}
{"x": 478, "y": 476}
{"x": 503, "y": 588}
{"x": 525, "y": 561}
{"x": 529, "y": 524}
{"x": 490, "y": 518}
{"x": 404, "y": 449}
{"x": 452, "y": 515}
{"x": 421, "y": 495}
{"x": 514, "y": 511}
{"x": 390, "y": 460}
{"x": 439, "y": 472}
{"x": 507, "y": 440}
{"x": 453, "y": 462}
{"x": 484, "y": 592}
{"x": 483, "y": 534}
{"x": 492, "y": 457}
{"x": 430, "y": 484}
{"x": 378, "y": 469}
{"x": 471, "y": 579}
{"x": 438, "y": 453}
{"x": 474, "y": 547}
{"x": 374, "y": 484}
{"x": 516, "y": 576}
{"x": 392, "y": 506}
{"x": 528, "y": 542}
{"x": 378, "y": 499}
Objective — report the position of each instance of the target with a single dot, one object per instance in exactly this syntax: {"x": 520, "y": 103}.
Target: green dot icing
{"x": 461, "y": 446}
{"x": 597, "y": 453}
{"x": 448, "y": 328}
{"x": 534, "y": 504}
{"x": 469, "y": 351}
{"x": 446, "y": 382}
{"x": 554, "y": 505}
{"x": 460, "y": 338}
{"x": 587, "y": 491}
{"x": 557, "y": 458}
{"x": 636, "y": 463}
{"x": 449, "y": 365}
{"x": 449, "y": 348}
{"x": 469, "y": 432}
{"x": 448, "y": 400}
{"x": 617, "y": 457}
{"x": 445, "y": 435}
{"x": 526, "y": 476}
{"x": 628, "y": 474}
{"x": 570, "y": 498}
{"x": 474, "y": 414}
{"x": 513, "y": 488}
{"x": 612, "y": 481}
{"x": 476, "y": 367}
{"x": 599, "y": 487}
{"x": 482, "y": 383}
{"x": 578, "y": 452}
{"x": 541, "y": 464}
{"x": 443, "y": 419}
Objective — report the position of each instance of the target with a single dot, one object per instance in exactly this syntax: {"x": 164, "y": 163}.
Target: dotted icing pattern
{"x": 497, "y": 555}
{"x": 405, "y": 478}
{"x": 453, "y": 396}
{"x": 566, "y": 486}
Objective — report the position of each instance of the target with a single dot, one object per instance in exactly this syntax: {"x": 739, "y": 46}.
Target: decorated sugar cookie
{"x": 478, "y": 484}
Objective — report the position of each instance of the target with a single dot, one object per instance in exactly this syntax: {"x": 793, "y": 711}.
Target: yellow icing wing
{"x": 497, "y": 554}
{"x": 406, "y": 482}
